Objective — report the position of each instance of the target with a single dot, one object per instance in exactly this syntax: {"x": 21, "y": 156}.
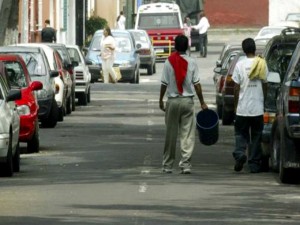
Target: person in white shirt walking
{"x": 121, "y": 19}
{"x": 249, "y": 92}
{"x": 202, "y": 26}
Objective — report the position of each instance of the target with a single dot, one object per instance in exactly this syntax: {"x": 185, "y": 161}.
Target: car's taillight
{"x": 294, "y": 100}
{"x": 56, "y": 88}
{"x": 269, "y": 117}
{"x": 222, "y": 81}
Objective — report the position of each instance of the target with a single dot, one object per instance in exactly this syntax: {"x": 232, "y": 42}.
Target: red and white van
{"x": 163, "y": 23}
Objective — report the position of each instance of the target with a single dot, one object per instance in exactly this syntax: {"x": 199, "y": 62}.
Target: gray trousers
{"x": 180, "y": 120}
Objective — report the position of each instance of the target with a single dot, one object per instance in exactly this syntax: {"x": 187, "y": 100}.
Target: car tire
{"x": 82, "y": 99}
{"x": 227, "y": 116}
{"x": 34, "y": 144}
{"x": 136, "y": 78}
{"x": 275, "y": 150}
{"x": 51, "y": 121}
{"x": 287, "y": 147}
{"x": 150, "y": 69}
{"x": 73, "y": 103}
{"x": 61, "y": 114}
{"x": 69, "y": 105}
{"x": 16, "y": 159}
{"x": 7, "y": 166}
{"x": 89, "y": 95}
{"x": 154, "y": 67}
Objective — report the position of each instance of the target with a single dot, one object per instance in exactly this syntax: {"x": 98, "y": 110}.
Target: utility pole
{"x": 129, "y": 13}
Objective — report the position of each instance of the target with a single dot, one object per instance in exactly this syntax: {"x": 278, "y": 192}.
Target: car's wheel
{"x": 89, "y": 95}
{"x": 33, "y": 145}
{"x": 136, "y": 77}
{"x": 69, "y": 105}
{"x": 51, "y": 121}
{"x": 82, "y": 99}
{"x": 154, "y": 67}
{"x": 73, "y": 99}
{"x": 288, "y": 151}
{"x": 149, "y": 70}
{"x": 16, "y": 159}
{"x": 7, "y": 166}
{"x": 61, "y": 113}
{"x": 275, "y": 150}
{"x": 227, "y": 116}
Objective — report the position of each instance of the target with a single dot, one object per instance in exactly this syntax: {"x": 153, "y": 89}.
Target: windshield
{"x": 16, "y": 74}
{"x": 123, "y": 43}
{"x": 141, "y": 38}
{"x": 35, "y": 63}
{"x": 74, "y": 55}
{"x": 159, "y": 21}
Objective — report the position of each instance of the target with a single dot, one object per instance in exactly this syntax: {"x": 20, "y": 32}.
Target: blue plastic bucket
{"x": 208, "y": 126}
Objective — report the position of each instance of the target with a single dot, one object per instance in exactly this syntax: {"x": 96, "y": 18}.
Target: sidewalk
{"x": 219, "y": 36}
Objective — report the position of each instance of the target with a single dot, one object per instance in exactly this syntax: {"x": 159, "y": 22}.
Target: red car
{"x": 19, "y": 78}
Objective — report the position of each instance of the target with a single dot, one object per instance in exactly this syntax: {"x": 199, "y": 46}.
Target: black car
{"x": 278, "y": 142}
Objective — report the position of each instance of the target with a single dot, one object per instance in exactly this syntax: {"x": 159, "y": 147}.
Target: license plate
{"x": 159, "y": 50}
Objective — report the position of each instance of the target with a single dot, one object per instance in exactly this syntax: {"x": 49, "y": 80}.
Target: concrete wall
{"x": 237, "y": 13}
{"x": 107, "y": 11}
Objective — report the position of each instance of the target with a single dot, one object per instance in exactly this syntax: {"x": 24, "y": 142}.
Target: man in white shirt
{"x": 179, "y": 78}
{"x": 121, "y": 21}
{"x": 249, "y": 102}
{"x": 202, "y": 26}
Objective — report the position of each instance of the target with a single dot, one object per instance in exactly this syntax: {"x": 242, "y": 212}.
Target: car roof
{"x": 17, "y": 48}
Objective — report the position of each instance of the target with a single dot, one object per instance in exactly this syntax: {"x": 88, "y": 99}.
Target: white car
{"x": 267, "y": 32}
{"x": 10, "y": 127}
{"x": 63, "y": 83}
{"x": 82, "y": 75}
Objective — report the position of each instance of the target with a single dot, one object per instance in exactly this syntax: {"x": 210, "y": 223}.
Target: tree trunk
{"x": 9, "y": 14}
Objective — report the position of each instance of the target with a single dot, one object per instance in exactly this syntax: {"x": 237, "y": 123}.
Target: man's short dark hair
{"x": 249, "y": 46}
{"x": 181, "y": 43}
{"x": 47, "y": 21}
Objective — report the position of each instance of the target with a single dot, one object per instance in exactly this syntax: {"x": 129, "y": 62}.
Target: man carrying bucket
{"x": 179, "y": 75}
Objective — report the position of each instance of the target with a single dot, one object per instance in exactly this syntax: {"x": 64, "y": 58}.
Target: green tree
{"x": 93, "y": 24}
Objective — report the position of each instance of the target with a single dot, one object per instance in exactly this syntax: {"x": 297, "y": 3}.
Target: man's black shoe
{"x": 240, "y": 163}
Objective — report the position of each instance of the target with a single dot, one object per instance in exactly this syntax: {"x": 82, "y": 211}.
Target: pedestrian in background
{"x": 249, "y": 92}
{"x": 187, "y": 31}
{"x": 180, "y": 74}
{"x": 202, "y": 26}
{"x": 121, "y": 19}
{"x": 48, "y": 33}
{"x": 107, "y": 48}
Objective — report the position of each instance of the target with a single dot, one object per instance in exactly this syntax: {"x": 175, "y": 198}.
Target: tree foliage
{"x": 93, "y": 24}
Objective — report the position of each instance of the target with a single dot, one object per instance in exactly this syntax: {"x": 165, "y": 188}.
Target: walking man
{"x": 202, "y": 26}
{"x": 179, "y": 76}
{"x": 48, "y": 33}
{"x": 250, "y": 87}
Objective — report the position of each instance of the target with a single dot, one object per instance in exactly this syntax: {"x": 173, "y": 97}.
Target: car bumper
{"x": 127, "y": 73}
{"x": 27, "y": 127}
{"x": 95, "y": 72}
{"x": 294, "y": 126}
{"x": 81, "y": 86}
{"x": 145, "y": 61}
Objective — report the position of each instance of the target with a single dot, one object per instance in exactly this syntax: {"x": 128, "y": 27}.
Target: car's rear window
{"x": 123, "y": 43}
{"x": 159, "y": 21}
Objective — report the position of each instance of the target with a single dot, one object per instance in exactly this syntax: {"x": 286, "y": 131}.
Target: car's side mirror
{"x": 217, "y": 70}
{"x": 88, "y": 62}
{"x": 138, "y": 46}
{"x": 54, "y": 73}
{"x": 218, "y": 63}
{"x": 36, "y": 85}
{"x": 273, "y": 77}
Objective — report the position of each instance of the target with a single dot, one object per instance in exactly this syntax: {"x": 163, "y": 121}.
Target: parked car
{"x": 10, "y": 126}
{"x": 147, "y": 53}
{"x": 67, "y": 65}
{"x": 63, "y": 82}
{"x": 281, "y": 110}
{"x": 126, "y": 56}
{"x": 39, "y": 70}
{"x": 267, "y": 32}
{"x": 82, "y": 75}
{"x": 19, "y": 78}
